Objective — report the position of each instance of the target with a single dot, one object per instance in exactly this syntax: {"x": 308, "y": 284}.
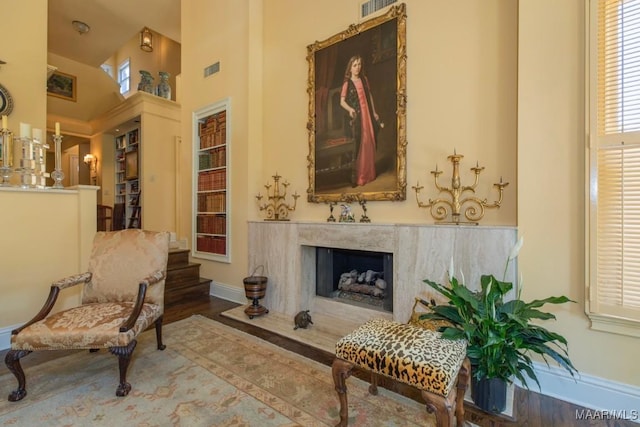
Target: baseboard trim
{"x": 227, "y": 292}
{"x": 5, "y": 336}
{"x": 609, "y": 399}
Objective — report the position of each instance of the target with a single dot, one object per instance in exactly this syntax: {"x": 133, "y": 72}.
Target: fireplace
{"x": 356, "y": 277}
{"x": 288, "y": 252}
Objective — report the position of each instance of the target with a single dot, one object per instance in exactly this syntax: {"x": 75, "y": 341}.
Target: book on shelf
{"x": 215, "y": 244}
{"x": 211, "y": 224}
{"x": 212, "y": 180}
{"x": 212, "y": 202}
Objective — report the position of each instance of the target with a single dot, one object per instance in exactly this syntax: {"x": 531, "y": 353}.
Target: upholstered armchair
{"x": 122, "y": 295}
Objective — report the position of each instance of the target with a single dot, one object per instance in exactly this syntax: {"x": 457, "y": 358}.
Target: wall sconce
{"x": 91, "y": 161}
{"x": 146, "y": 40}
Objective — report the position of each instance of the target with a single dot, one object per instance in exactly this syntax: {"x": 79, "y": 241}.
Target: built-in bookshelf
{"x": 211, "y": 224}
{"x": 127, "y": 186}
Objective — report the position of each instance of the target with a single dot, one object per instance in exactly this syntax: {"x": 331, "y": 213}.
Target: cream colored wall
{"x": 158, "y": 171}
{"x": 465, "y": 101}
{"x": 165, "y": 57}
{"x": 551, "y": 139}
{"x": 47, "y": 236}
{"x": 461, "y": 94}
{"x": 25, "y": 73}
{"x": 204, "y": 43}
{"x": 467, "y": 89}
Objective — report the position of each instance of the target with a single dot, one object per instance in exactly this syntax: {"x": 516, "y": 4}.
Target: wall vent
{"x": 212, "y": 69}
{"x": 368, "y": 7}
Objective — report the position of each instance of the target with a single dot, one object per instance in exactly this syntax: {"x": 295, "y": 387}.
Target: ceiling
{"x": 112, "y": 22}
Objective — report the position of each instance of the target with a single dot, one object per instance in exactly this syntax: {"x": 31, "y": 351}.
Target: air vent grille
{"x": 371, "y": 6}
{"x": 212, "y": 69}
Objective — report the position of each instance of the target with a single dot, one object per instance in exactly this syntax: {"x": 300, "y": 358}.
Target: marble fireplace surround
{"x": 286, "y": 250}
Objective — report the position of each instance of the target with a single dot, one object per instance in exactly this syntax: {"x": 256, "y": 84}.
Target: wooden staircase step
{"x": 181, "y": 273}
{"x": 177, "y": 257}
{"x": 183, "y": 280}
{"x": 187, "y": 290}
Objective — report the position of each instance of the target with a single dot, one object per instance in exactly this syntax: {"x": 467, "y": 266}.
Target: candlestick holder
{"x": 6, "y": 170}
{"x": 276, "y": 208}
{"x": 475, "y": 210}
{"x": 331, "y": 217}
{"x": 363, "y": 204}
{"x": 24, "y": 161}
{"x": 57, "y": 174}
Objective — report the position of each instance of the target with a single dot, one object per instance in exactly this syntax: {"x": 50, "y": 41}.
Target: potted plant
{"x": 500, "y": 334}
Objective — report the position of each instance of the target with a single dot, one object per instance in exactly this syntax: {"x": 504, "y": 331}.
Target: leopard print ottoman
{"x": 409, "y": 354}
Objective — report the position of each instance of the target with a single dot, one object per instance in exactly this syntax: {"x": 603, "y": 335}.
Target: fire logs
{"x": 368, "y": 283}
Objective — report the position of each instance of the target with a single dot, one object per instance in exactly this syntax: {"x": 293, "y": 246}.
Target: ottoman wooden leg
{"x": 441, "y": 406}
{"x": 373, "y": 388}
{"x": 464, "y": 375}
{"x": 341, "y": 370}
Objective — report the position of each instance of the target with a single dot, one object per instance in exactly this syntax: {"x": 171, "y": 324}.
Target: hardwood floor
{"x": 530, "y": 409}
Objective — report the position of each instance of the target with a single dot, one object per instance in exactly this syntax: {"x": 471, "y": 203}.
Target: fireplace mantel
{"x": 286, "y": 250}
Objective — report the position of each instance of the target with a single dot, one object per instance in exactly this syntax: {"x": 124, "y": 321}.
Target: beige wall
{"x": 465, "y": 101}
{"x": 47, "y": 236}
{"x": 203, "y": 44}
{"x": 551, "y": 140}
{"x": 165, "y": 57}
{"x": 468, "y": 88}
{"x": 25, "y": 73}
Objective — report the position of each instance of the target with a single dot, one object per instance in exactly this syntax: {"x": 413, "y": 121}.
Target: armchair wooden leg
{"x": 12, "y": 360}
{"x": 124, "y": 356}
{"x": 159, "y": 333}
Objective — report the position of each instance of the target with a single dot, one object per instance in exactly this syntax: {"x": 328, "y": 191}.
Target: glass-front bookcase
{"x": 211, "y": 222}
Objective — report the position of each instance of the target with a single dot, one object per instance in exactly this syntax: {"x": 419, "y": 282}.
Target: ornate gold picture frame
{"x": 357, "y": 112}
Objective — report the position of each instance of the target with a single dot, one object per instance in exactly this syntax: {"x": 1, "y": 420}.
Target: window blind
{"x": 616, "y": 289}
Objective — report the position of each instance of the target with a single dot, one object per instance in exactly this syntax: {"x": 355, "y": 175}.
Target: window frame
{"x": 601, "y": 320}
{"x": 107, "y": 68}
{"x": 124, "y": 65}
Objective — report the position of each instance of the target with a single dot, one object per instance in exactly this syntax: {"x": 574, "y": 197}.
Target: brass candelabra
{"x": 276, "y": 208}
{"x": 475, "y": 206}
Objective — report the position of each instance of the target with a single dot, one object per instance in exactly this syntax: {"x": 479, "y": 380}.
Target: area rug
{"x": 209, "y": 375}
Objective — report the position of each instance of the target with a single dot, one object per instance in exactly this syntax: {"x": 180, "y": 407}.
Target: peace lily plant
{"x": 500, "y": 334}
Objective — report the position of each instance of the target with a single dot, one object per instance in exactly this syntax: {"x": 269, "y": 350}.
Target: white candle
{"x": 5, "y": 122}
{"x": 25, "y": 130}
{"x": 37, "y": 134}
{"x": 57, "y": 128}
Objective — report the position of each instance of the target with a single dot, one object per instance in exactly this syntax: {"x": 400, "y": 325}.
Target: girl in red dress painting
{"x": 356, "y": 99}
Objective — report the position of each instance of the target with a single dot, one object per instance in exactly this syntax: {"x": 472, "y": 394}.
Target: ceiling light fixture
{"x": 80, "y": 27}
{"x": 146, "y": 40}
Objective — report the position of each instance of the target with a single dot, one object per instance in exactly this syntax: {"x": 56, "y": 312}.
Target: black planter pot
{"x": 489, "y": 394}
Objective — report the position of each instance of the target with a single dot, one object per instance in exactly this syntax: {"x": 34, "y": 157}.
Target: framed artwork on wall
{"x": 62, "y": 85}
{"x": 357, "y": 111}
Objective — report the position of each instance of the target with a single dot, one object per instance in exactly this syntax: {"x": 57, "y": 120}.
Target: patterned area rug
{"x": 209, "y": 375}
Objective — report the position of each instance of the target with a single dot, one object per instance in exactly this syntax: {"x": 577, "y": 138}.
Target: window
{"x": 107, "y": 68}
{"x": 613, "y": 302}
{"x": 124, "y": 76}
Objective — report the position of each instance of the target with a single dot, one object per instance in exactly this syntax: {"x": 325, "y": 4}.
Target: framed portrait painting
{"x": 357, "y": 113}
{"x": 62, "y": 85}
